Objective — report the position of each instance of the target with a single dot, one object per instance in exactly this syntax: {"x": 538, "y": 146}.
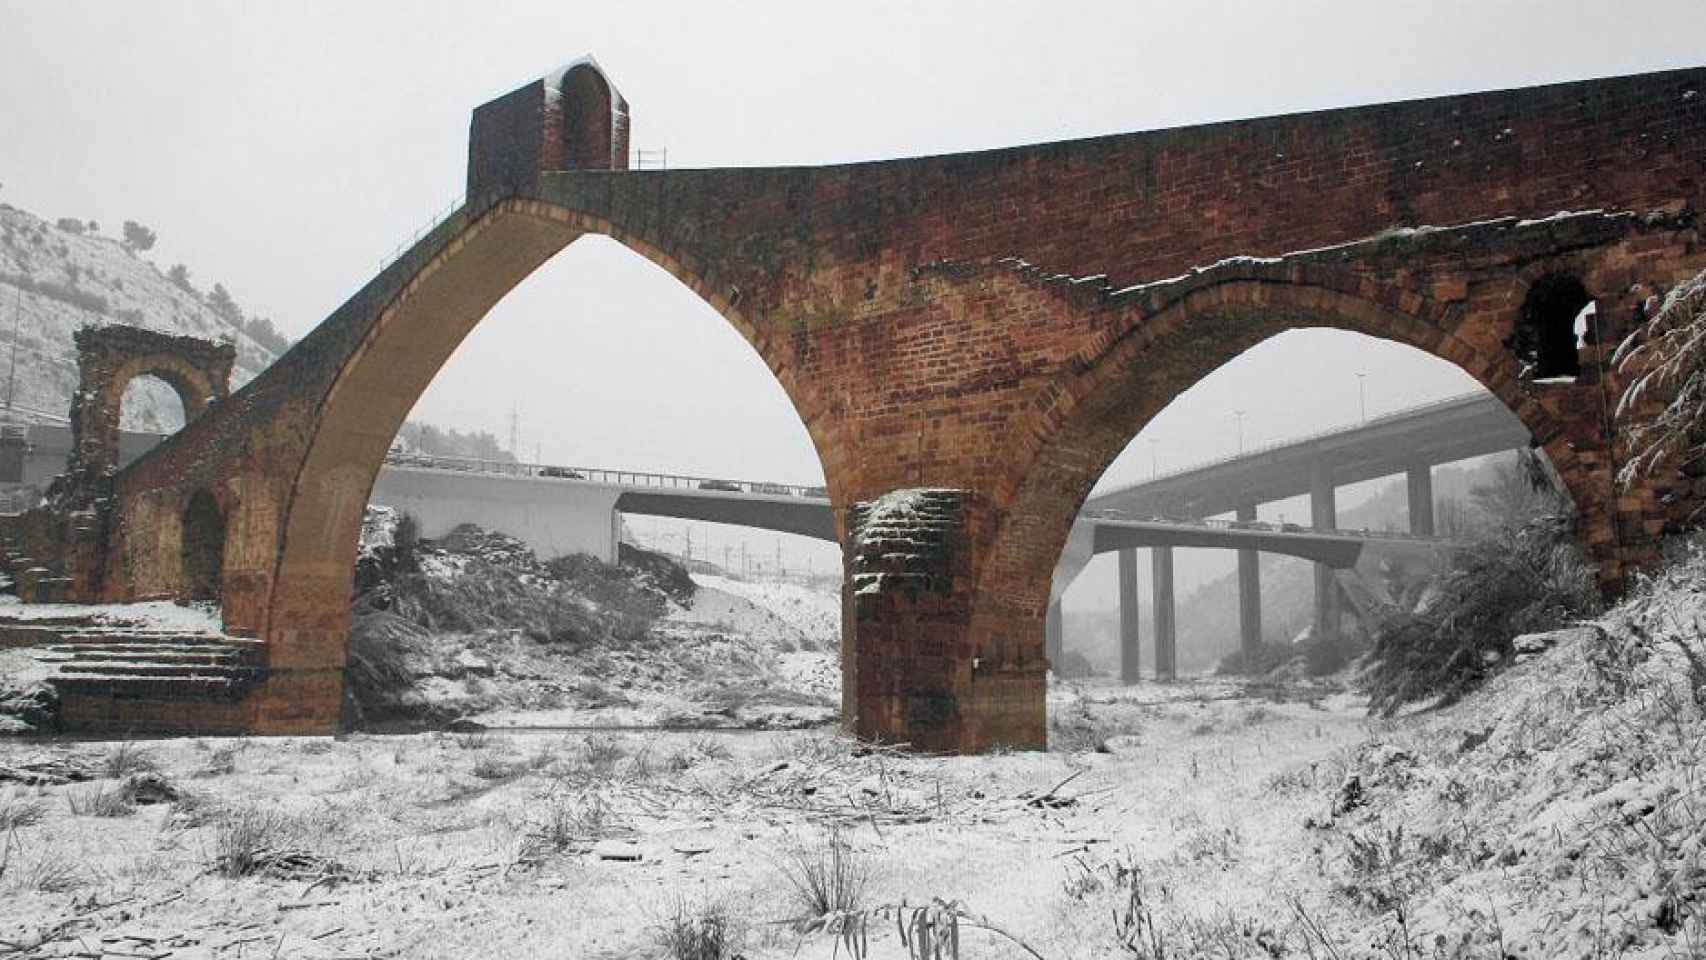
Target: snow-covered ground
{"x": 1557, "y": 813}
{"x": 787, "y": 613}
{"x": 151, "y": 615}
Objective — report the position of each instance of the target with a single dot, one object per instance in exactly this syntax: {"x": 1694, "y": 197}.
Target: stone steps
{"x": 115, "y": 677}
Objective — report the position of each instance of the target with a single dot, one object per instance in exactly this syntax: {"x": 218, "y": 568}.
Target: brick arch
{"x": 405, "y": 343}
{"x": 1167, "y": 346}
{"x": 110, "y": 358}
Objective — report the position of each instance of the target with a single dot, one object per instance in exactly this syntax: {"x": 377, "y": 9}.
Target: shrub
{"x": 1667, "y": 357}
{"x": 137, "y": 237}
{"x": 180, "y": 277}
{"x": 1518, "y": 580}
{"x": 1270, "y": 655}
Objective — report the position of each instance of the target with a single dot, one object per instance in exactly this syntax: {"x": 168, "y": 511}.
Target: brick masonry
{"x": 995, "y": 324}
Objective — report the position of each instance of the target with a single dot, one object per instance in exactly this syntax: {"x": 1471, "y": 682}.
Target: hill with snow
{"x": 58, "y": 276}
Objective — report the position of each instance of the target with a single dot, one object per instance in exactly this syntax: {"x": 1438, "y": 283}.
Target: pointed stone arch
{"x": 403, "y": 345}
{"x": 1165, "y": 348}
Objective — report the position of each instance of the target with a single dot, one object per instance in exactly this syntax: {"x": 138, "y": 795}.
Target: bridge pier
{"x": 1054, "y": 635}
{"x": 1323, "y": 515}
{"x": 1166, "y": 658}
{"x": 1420, "y": 480}
{"x": 1130, "y": 667}
{"x": 1249, "y": 590}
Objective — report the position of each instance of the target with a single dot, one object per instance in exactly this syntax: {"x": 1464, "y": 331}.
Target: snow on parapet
{"x": 554, "y": 79}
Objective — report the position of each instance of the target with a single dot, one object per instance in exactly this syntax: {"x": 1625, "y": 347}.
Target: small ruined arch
{"x": 593, "y": 126}
{"x": 110, "y": 358}
{"x": 201, "y": 549}
{"x": 1551, "y": 326}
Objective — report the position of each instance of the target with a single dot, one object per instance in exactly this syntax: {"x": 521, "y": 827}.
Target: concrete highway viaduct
{"x": 969, "y": 340}
{"x": 1409, "y": 442}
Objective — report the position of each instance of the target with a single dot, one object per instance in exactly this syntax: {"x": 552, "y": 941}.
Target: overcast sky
{"x": 287, "y": 149}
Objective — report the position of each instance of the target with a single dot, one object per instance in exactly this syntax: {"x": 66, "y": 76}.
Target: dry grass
{"x": 43, "y": 868}
{"x": 498, "y": 768}
{"x": 473, "y": 740}
{"x": 241, "y": 839}
{"x": 20, "y": 812}
{"x": 222, "y": 761}
{"x": 823, "y": 880}
{"x": 125, "y": 759}
{"x": 708, "y": 931}
{"x": 569, "y": 823}
{"x": 99, "y": 801}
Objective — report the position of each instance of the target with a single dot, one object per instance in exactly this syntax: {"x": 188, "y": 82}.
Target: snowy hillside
{"x": 813, "y": 615}
{"x": 60, "y": 279}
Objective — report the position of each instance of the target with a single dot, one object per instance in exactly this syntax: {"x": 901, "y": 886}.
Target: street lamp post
{"x": 1154, "y": 460}
{"x": 1239, "y": 415}
{"x": 1362, "y": 395}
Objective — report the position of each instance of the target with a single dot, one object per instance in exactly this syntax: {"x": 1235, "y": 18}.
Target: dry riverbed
{"x": 593, "y": 845}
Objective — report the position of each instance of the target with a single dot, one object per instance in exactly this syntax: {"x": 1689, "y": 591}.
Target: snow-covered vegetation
{"x": 474, "y": 627}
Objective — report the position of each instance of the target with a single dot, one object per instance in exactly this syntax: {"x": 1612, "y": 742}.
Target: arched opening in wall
{"x": 149, "y": 410}
{"x": 586, "y": 119}
{"x": 1554, "y": 323}
{"x": 201, "y": 553}
{"x": 1390, "y": 440}
{"x": 601, "y": 377}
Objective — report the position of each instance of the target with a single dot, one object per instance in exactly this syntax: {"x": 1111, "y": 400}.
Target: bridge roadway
{"x": 1408, "y": 441}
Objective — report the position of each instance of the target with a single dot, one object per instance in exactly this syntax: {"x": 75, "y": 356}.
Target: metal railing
{"x": 625, "y": 478}
{"x": 414, "y": 238}
{"x": 59, "y": 418}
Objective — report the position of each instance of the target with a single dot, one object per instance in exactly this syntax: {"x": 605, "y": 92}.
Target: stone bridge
{"x": 970, "y": 340}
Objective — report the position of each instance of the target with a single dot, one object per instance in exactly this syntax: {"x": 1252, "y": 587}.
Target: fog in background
{"x": 288, "y": 149}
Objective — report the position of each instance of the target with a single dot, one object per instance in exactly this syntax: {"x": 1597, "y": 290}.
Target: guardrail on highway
{"x": 627, "y": 478}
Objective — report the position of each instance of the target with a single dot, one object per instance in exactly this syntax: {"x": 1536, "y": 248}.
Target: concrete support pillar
{"x": 1166, "y": 662}
{"x": 1054, "y": 635}
{"x": 1249, "y": 591}
{"x": 1421, "y": 484}
{"x": 1130, "y": 668}
{"x": 1323, "y": 515}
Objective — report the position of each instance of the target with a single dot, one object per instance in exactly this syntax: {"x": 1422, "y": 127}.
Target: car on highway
{"x": 561, "y": 473}
{"x": 774, "y": 489}
{"x": 727, "y": 486}
{"x": 819, "y": 493}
